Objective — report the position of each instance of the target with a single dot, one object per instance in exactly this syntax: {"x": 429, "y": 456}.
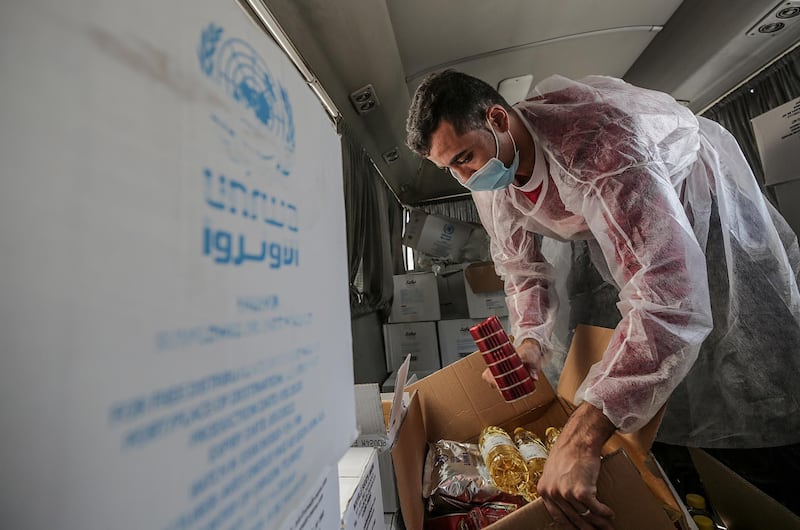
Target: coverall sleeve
{"x": 528, "y": 278}
{"x": 652, "y": 253}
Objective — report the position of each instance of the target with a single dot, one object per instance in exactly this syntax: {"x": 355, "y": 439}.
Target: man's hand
{"x": 531, "y": 354}
{"x": 569, "y": 482}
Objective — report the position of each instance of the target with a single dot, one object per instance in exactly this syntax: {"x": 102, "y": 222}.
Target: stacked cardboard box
{"x": 448, "y": 303}
{"x": 372, "y": 433}
{"x": 360, "y": 499}
{"x": 320, "y": 511}
{"x": 412, "y": 323}
{"x": 435, "y": 235}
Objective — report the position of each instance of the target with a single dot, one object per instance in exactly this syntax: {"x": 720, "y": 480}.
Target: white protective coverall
{"x": 674, "y": 218}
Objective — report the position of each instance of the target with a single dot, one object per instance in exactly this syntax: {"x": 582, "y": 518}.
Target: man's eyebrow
{"x": 456, "y": 157}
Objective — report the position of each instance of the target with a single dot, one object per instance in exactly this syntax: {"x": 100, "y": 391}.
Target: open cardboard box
{"x": 741, "y": 505}
{"x": 454, "y": 403}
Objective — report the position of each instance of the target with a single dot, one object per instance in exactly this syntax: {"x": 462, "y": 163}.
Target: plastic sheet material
{"x": 455, "y": 479}
{"x": 673, "y": 218}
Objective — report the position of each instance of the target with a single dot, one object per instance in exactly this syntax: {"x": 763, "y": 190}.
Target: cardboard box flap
{"x": 619, "y": 487}
{"x": 453, "y": 397}
{"x": 398, "y": 402}
{"x": 369, "y": 411}
{"x": 587, "y": 348}
{"x": 408, "y": 455}
{"x": 482, "y": 277}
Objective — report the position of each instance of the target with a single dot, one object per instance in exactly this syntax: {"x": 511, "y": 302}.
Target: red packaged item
{"x": 454, "y": 521}
{"x": 477, "y": 518}
{"x": 518, "y": 391}
{"x": 489, "y": 513}
{"x": 501, "y": 353}
{"x": 491, "y": 342}
{"x": 512, "y": 378}
{"x": 505, "y": 365}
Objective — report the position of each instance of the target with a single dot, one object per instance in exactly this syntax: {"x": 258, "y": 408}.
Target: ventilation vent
{"x": 364, "y": 99}
{"x": 776, "y": 21}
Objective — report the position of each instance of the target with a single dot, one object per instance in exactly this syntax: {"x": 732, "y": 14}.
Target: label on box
{"x": 167, "y": 209}
{"x": 360, "y": 490}
{"x": 415, "y": 298}
{"x": 417, "y": 339}
{"x": 321, "y": 510}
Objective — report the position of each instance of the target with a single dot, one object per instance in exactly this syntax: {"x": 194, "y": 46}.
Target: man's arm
{"x": 568, "y": 485}
{"x": 528, "y": 278}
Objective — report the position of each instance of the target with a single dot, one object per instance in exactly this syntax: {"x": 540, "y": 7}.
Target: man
{"x": 674, "y": 219}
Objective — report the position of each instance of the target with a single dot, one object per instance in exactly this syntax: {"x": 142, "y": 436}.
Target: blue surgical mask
{"x": 493, "y": 175}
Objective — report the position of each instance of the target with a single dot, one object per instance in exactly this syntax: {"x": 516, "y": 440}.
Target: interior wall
{"x": 369, "y": 361}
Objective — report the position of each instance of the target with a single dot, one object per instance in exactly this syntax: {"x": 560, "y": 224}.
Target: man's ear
{"x": 498, "y": 118}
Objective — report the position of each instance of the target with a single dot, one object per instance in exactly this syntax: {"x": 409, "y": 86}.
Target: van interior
{"x": 695, "y": 50}
{"x": 365, "y": 59}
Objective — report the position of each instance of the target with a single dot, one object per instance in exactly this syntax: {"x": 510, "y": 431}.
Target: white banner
{"x": 175, "y": 328}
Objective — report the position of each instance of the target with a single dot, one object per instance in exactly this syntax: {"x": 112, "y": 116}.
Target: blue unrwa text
{"x": 279, "y": 219}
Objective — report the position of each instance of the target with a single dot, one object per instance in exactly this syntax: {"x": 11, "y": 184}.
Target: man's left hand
{"x": 569, "y": 482}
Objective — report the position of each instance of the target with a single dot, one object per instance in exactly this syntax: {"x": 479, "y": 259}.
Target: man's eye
{"x": 464, "y": 160}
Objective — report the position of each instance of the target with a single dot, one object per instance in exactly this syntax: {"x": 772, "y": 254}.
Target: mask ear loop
{"x": 513, "y": 143}
{"x": 497, "y": 141}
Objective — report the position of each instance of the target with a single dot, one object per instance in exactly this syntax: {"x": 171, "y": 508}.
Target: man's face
{"x": 466, "y": 153}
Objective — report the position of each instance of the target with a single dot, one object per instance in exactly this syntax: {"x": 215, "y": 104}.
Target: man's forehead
{"x": 445, "y": 141}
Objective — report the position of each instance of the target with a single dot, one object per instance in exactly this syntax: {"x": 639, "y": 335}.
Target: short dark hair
{"x": 458, "y": 98}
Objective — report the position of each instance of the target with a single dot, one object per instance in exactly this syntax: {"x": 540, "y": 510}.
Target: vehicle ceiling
{"x": 696, "y": 50}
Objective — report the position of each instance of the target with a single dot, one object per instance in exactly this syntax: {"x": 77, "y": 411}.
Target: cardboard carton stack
{"x": 412, "y": 323}
{"x": 431, "y": 316}
{"x": 432, "y": 312}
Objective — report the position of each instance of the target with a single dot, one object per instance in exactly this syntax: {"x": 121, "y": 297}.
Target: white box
{"x": 169, "y": 369}
{"x": 436, "y": 235}
{"x": 321, "y": 510}
{"x": 483, "y": 305}
{"x": 485, "y": 294}
{"x": 360, "y": 490}
{"x": 416, "y": 298}
{"x": 455, "y": 340}
{"x": 415, "y": 338}
{"x": 777, "y": 138}
{"x": 452, "y": 292}
{"x": 372, "y": 433}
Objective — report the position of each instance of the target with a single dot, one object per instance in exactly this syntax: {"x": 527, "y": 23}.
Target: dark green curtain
{"x": 776, "y": 85}
{"x": 374, "y": 225}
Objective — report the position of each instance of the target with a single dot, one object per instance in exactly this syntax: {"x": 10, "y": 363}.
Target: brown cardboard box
{"x": 587, "y": 348}
{"x": 455, "y": 403}
{"x": 741, "y": 505}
